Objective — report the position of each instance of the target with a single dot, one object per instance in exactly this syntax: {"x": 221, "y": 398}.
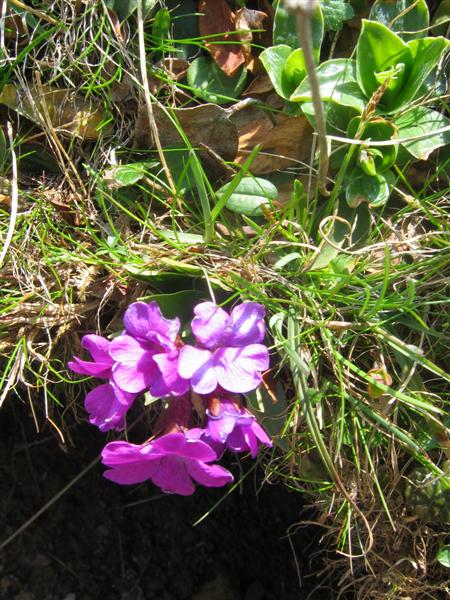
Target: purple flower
{"x": 233, "y": 427}
{"x": 171, "y": 461}
{"x": 230, "y": 354}
{"x": 106, "y": 404}
{"x": 146, "y": 355}
{"x": 98, "y": 347}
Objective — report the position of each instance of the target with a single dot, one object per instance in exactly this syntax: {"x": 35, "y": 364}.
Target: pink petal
{"x": 172, "y": 477}
{"x": 145, "y": 321}
{"x": 190, "y": 360}
{"x": 127, "y": 349}
{"x": 209, "y": 475}
{"x": 130, "y": 474}
{"x": 246, "y": 325}
{"x": 209, "y": 323}
{"x": 169, "y": 383}
{"x": 84, "y": 367}
{"x": 204, "y": 381}
{"x": 238, "y": 369}
{"x": 104, "y": 408}
{"x": 98, "y": 347}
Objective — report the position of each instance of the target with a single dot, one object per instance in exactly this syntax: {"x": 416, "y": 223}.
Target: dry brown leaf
{"x": 260, "y": 85}
{"x": 208, "y": 127}
{"x": 219, "y": 21}
{"x": 284, "y": 139}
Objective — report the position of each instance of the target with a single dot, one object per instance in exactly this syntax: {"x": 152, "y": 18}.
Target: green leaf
{"x": 285, "y": 67}
{"x": 335, "y": 12}
{"x": 124, "y": 8}
{"x": 337, "y": 81}
{"x": 185, "y": 27}
{"x": 423, "y": 121}
{"x": 441, "y": 18}
{"x": 426, "y": 53}
{"x": 443, "y": 556}
{"x": 381, "y": 56}
{"x": 161, "y": 26}
{"x": 337, "y": 116}
{"x": 402, "y": 15}
{"x": 178, "y": 304}
{"x": 210, "y": 83}
{"x": 374, "y": 190}
{"x": 374, "y": 159}
{"x": 249, "y": 195}
{"x": 124, "y": 175}
{"x": 2, "y": 149}
{"x": 285, "y": 29}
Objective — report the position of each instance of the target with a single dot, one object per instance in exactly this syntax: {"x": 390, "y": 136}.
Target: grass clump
{"x": 109, "y": 197}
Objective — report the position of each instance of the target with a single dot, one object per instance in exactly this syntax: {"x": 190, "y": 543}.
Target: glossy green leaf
{"x": 402, "y": 16}
{"x": 337, "y": 81}
{"x": 374, "y": 190}
{"x": 335, "y": 12}
{"x": 285, "y": 29}
{"x": 443, "y": 556}
{"x": 185, "y": 27}
{"x": 285, "y": 67}
{"x": 372, "y": 159}
{"x": 210, "y": 83}
{"x": 177, "y": 304}
{"x": 441, "y": 18}
{"x": 382, "y": 56}
{"x": 124, "y": 8}
{"x": 337, "y": 116}
{"x": 422, "y": 121}
{"x": 2, "y": 148}
{"x": 161, "y": 26}
{"x": 249, "y": 195}
{"x": 426, "y": 53}
{"x": 124, "y": 175}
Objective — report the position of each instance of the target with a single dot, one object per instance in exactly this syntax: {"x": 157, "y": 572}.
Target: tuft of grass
{"x": 359, "y": 329}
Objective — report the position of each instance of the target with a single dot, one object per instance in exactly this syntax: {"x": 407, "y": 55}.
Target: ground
{"x": 104, "y": 541}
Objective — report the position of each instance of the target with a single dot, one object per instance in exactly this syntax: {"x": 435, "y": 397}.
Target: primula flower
{"x": 230, "y": 354}
{"x": 146, "y": 355}
{"x": 171, "y": 461}
{"x": 233, "y": 427}
{"x": 106, "y": 404}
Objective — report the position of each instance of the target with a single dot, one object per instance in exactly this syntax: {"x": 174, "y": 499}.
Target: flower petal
{"x": 219, "y": 428}
{"x": 245, "y": 326}
{"x": 145, "y": 321}
{"x": 169, "y": 382}
{"x": 94, "y": 369}
{"x": 98, "y": 347}
{"x": 238, "y": 369}
{"x": 132, "y": 473}
{"x": 107, "y": 409}
{"x": 172, "y": 477}
{"x": 190, "y": 360}
{"x": 135, "y": 368}
{"x": 208, "y": 475}
{"x": 209, "y": 323}
{"x": 177, "y": 444}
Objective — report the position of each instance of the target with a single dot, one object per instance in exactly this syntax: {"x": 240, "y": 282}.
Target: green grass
{"x": 340, "y": 312}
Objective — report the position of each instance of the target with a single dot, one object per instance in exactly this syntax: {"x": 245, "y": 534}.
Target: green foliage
{"x": 209, "y": 82}
{"x": 402, "y": 16}
{"x": 249, "y": 195}
{"x": 285, "y": 29}
{"x": 285, "y": 67}
{"x": 335, "y": 12}
{"x": 443, "y": 556}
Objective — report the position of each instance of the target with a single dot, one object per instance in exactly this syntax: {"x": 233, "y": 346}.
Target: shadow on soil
{"x": 103, "y": 541}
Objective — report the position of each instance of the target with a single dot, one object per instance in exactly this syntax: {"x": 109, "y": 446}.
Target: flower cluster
{"x": 201, "y": 384}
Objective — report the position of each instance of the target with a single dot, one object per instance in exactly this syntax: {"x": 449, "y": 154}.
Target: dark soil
{"x": 104, "y": 541}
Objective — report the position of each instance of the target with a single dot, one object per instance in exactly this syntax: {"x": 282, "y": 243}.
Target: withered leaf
{"x": 284, "y": 139}
{"x": 207, "y": 124}
{"x": 217, "y": 24}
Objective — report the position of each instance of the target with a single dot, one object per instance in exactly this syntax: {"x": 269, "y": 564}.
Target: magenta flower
{"x": 230, "y": 354}
{"x": 234, "y": 428}
{"x": 98, "y": 347}
{"x": 172, "y": 462}
{"x": 106, "y": 404}
{"x": 146, "y": 355}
